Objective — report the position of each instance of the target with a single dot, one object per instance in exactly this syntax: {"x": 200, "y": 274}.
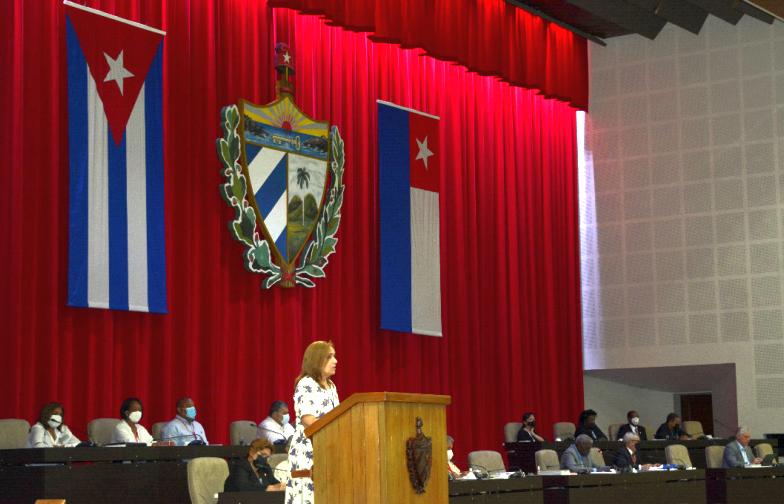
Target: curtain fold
{"x": 509, "y": 235}
{"x": 490, "y": 37}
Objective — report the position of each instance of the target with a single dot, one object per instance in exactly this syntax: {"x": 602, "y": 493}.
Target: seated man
{"x": 738, "y": 453}
{"x": 627, "y": 457}
{"x": 184, "y": 429}
{"x": 632, "y": 425}
{"x": 526, "y": 433}
{"x": 671, "y": 429}
{"x": 276, "y": 428}
{"x": 587, "y": 425}
{"x": 577, "y": 458}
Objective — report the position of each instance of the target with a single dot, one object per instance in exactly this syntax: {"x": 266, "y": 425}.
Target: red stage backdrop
{"x": 510, "y": 269}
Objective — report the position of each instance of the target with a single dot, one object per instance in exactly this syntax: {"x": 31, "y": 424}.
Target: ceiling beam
{"x": 684, "y": 14}
{"x": 625, "y": 15}
{"x": 754, "y": 12}
{"x": 773, "y": 7}
{"x": 562, "y": 24}
{"x": 722, "y": 9}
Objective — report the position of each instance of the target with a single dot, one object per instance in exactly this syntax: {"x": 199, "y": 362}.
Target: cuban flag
{"x": 116, "y": 251}
{"x": 408, "y": 179}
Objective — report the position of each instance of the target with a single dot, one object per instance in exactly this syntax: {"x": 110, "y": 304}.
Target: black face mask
{"x": 532, "y": 423}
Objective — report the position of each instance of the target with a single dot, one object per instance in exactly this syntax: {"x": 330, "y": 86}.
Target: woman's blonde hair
{"x": 314, "y": 360}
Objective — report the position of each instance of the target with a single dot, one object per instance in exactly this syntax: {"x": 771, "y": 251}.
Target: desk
{"x": 742, "y": 486}
{"x": 516, "y": 491}
{"x": 642, "y": 488}
{"x": 521, "y": 455}
{"x": 90, "y": 475}
{"x": 251, "y": 498}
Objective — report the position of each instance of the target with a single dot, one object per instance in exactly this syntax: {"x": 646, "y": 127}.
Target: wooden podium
{"x": 360, "y": 449}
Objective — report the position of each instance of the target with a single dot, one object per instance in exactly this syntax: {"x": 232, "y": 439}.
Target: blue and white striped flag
{"x": 116, "y": 248}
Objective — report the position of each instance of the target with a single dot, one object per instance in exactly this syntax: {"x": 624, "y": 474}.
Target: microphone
{"x": 280, "y": 434}
{"x": 481, "y": 472}
{"x": 198, "y": 439}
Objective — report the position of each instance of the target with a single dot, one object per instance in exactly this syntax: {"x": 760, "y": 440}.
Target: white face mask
{"x": 135, "y": 416}
{"x": 449, "y": 454}
{"x": 636, "y": 421}
{"x": 55, "y": 421}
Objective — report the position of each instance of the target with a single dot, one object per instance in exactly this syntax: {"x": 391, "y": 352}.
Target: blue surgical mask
{"x": 286, "y": 419}
{"x": 190, "y": 412}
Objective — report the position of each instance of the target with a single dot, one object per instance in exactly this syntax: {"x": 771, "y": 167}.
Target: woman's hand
{"x": 307, "y": 420}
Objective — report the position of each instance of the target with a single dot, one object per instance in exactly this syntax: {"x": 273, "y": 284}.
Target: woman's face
{"x": 135, "y": 406}
{"x": 331, "y": 365}
{"x": 57, "y": 411}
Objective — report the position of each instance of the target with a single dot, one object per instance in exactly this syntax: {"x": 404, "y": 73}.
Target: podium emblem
{"x": 419, "y": 456}
{"x": 284, "y": 178}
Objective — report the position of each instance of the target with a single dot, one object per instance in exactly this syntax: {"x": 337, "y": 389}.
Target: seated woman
{"x": 50, "y": 431}
{"x": 129, "y": 430}
{"x": 454, "y": 471}
{"x": 253, "y": 472}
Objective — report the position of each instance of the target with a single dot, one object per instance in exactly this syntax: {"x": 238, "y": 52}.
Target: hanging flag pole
{"x": 113, "y": 17}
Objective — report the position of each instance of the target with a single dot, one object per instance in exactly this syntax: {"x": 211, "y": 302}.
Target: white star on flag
{"x": 117, "y": 72}
{"x": 424, "y": 152}
{"x": 286, "y": 57}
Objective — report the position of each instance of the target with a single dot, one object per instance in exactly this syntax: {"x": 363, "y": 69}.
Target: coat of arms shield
{"x": 284, "y": 178}
{"x": 284, "y": 157}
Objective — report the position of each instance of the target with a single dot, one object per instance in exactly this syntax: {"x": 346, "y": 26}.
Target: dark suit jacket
{"x": 594, "y": 432}
{"x": 664, "y": 433}
{"x": 526, "y": 437}
{"x": 623, "y": 459}
{"x": 628, "y": 428}
{"x": 243, "y": 479}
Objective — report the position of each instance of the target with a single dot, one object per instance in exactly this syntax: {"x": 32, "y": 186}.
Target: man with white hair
{"x": 738, "y": 453}
{"x": 627, "y": 457}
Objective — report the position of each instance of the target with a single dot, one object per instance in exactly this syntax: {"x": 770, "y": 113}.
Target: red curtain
{"x": 509, "y": 235}
{"x": 490, "y": 37}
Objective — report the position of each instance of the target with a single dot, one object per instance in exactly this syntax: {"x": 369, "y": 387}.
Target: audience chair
{"x": 693, "y": 428}
{"x": 510, "y": 431}
{"x": 763, "y": 449}
{"x": 157, "y": 429}
{"x": 50, "y": 501}
{"x": 612, "y": 431}
{"x": 564, "y": 430}
{"x": 206, "y": 476}
{"x": 714, "y": 456}
{"x": 486, "y": 460}
{"x": 13, "y": 433}
{"x": 677, "y": 454}
{"x": 100, "y": 430}
{"x": 597, "y": 458}
{"x": 279, "y": 462}
{"x": 547, "y": 460}
{"x": 242, "y": 432}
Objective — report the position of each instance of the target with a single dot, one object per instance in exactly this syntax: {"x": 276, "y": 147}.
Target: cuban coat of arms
{"x": 284, "y": 179}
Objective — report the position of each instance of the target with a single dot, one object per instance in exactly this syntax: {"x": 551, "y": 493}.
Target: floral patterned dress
{"x": 309, "y": 399}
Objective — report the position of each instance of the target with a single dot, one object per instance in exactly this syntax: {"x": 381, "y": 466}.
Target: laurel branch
{"x": 257, "y": 256}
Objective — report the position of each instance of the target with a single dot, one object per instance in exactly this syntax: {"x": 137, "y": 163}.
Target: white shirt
{"x": 182, "y": 432}
{"x": 123, "y": 434}
{"x": 272, "y": 431}
{"x": 39, "y": 437}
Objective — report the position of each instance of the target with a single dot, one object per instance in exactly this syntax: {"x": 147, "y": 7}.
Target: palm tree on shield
{"x": 303, "y": 180}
